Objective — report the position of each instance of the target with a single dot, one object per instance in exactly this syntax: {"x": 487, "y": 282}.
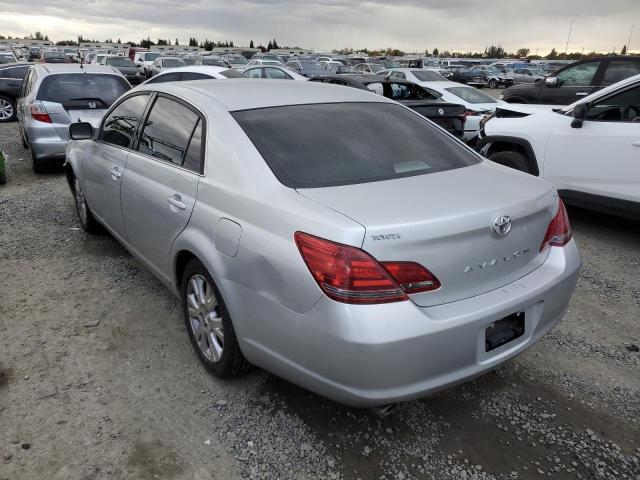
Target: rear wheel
{"x": 209, "y": 325}
{"x": 39, "y": 165}
{"x": 511, "y": 159}
{"x": 493, "y": 84}
{"x": 7, "y": 109}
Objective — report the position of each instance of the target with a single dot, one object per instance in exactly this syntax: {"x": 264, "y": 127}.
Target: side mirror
{"x": 81, "y": 131}
{"x": 579, "y": 115}
{"x": 551, "y": 81}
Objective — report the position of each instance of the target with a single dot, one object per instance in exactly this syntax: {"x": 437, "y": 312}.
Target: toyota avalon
{"x": 333, "y": 237}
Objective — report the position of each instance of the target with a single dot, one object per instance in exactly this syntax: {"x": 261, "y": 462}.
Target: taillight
{"x": 559, "y": 231}
{"x": 350, "y": 275}
{"x": 39, "y": 113}
{"x": 471, "y": 113}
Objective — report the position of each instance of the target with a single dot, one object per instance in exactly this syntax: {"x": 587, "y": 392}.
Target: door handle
{"x": 115, "y": 173}
{"x": 176, "y": 201}
{"x": 582, "y": 94}
{"x": 636, "y": 143}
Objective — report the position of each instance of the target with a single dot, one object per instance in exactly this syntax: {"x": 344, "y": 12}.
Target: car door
{"x": 105, "y": 160}
{"x": 161, "y": 182}
{"x": 603, "y": 156}
{"x": 573, "y": 83}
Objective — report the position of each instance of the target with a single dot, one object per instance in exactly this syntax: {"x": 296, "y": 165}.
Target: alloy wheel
{"x": 6, "y": 109}
{"x": 205, "y": 318}
{"x": 81, "y": 202}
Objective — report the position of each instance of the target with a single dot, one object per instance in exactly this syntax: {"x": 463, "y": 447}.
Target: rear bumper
{"x": 45, "y": 142}
{"x": 370, "y": 355}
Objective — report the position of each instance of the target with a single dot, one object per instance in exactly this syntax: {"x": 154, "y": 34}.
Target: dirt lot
{"x": 98, "y": 379}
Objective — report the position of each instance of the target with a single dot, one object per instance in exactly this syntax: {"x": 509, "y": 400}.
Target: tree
{"x": 162, "y": 42}
{"x": 146, "y": 43}
{"x": 624, "y": 50}
{"x": 269, "y": 46}
{"x": 176, "y": 42}
{"x": 553, "y": 55}
{"x": 251, "y": 44}
{"x": 435, "y": 52}
{"x": 426, "y": 51}
{"x": 38, "y": 36}
{"x": 275, "y": 44}
{"x": 193, "y": 42}
{"x": 496, "y": 52}
{"x": 118, "y": 41}
{"x": 522, "y": 53}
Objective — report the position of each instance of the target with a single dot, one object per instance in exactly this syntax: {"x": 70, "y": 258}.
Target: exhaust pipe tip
{"x": 384, "y": 411}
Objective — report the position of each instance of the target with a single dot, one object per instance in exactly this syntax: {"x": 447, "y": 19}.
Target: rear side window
{"x": 195, "y": 76}
{"x": 167, "y": 77}
{"x": 14, "y": 72}
{"x": 323, "y": 145}
{"x": 82, "y": 90}
{"x": 120, "y": 125}
{"x": 619, "y": 70}
{"x": 231, "y": 74}
{"x": 168, "y": 131}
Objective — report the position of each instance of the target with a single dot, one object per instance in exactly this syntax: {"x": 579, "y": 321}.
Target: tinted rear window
{"x": 231, "y": 74}
{"x": 78, "y": 89}
{"x": 322, "y": 145}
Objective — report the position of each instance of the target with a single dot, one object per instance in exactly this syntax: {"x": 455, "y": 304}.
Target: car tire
{"x": 209, "y": 324}
{"x": 7, "y": 109}
{"x": 87, "y": 221}
{"x": 38, "y": 165}
{"x": 511, "y": 159}
{"x": 493, "y": 84}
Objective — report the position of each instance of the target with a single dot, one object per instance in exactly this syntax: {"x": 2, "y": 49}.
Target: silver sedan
{"x": 327, "y": 235}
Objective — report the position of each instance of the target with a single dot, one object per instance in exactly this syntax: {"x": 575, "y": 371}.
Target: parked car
{"x": 11, "y": 76}
{"x": 476, "y": 102}
{"x": 144, "y": 61}
{"x": 97, "y": 59}
{"x": 279, "y": 238}
{"x": 353, "y": 61}
{"x": 259, "y": 62}
{"x": 211, "y": 62}
{"x": 50, "y": 56}
{"x": 527, "y": 75}
{"x": 274, "y": 72}
{"x": 449, "y": 116}
{"x": 416, "y": 75}
{"x": 181, "y": 74}
{"x": 481, "y": 76}
{"x": 7, "y": 56}
{"x": 235, "y": 61}
{"x": 162, "y": 64}
{"x": 589, "y": 149}
{"x": 126, "y": 67}
{"x": 54, "y": 96}
{"x": 576, "y": 80}
{"x": 343, "y": 70}
{"x": 306, "y": 68}
{"x": 369, "y": 68}
{"x": 328, "y": 64}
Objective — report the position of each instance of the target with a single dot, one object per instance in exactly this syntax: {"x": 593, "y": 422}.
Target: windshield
{"x": 213, "y": 62}
{"x": 190, "y": 61}
{"x": 172, "y": 62}
{"x": 120, "y": 62}
{"x": 427, "y": 76}
{"x": 376, "y": 67}
{"x": 150, "y": 57}
{"x": 471, "y": 95}
{"x": 493, "y": 71}
{"x": 54, "y": 55}
{"x": 239, "y": 60}
{"x": 344, "y": 69}
{"x": 367, "y": 142}
{"x": 390, "y": 64}
{"x": 77, "y": 90}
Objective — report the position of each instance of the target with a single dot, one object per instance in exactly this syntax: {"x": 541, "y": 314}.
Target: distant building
{"x": 174, "y": 49}
{"x": 291, "y": 51}
{"x": 27, "y": 42}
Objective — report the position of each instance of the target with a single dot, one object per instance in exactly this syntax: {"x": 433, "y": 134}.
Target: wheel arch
{"x": 494, "y": 144}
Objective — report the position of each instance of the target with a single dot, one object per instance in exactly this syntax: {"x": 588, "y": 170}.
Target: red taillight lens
{"x": 39, "y": 113}
{"x": 471, "y": 113}
{"x": 350, "y": 275}
{"x": 412, "y": 277}
{"x": 559, "y": 232}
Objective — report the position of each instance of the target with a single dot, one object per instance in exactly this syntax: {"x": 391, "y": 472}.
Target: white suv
{"x": 589, "y": 149}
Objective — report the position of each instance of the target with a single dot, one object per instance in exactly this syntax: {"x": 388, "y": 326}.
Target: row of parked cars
{"x": 323, "y": 228}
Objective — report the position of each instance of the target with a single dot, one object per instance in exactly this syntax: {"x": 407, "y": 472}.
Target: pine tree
{"x": 251, "y": 44}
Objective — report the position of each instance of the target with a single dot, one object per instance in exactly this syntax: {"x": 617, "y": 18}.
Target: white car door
{"x": 161, "y": 182}
{"x": 603, "y": 156}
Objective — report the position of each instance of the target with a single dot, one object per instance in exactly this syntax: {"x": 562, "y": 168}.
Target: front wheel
{"x": 7, "y": 109}
{"x": 493, "y": 84}
{"x": 209, "y": 325}
{"x": 511, "y": 159}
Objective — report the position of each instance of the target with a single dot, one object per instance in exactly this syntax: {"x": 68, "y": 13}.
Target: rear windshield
{"x": 428, "y": 76}
{"x": 172, "y": 62}
{"x": 471, "y": 95}
{"x": 232, "y": 74}
{"x": 77, "y": 90}
{"x": 325, "y": 145}
{"x": 120, "y": 62}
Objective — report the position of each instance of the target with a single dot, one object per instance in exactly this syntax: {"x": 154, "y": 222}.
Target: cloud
{"x": 411, "y": 25}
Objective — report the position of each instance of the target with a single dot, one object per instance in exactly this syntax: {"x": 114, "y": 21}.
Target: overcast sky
{"x": 411, "y": 25}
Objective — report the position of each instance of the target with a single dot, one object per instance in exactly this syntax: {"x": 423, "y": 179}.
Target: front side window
{"x": 618, "y": 70}
{"x": 398, "y": 75}
{"x": 277, "y": 74}
{"x": 620, "y": 107}
{"x": 254, "y": 73}
{"x": 578, "y": 75}
{"x": 367, "y": 142}
{"x": 119, "y": 126}
{"x": 168, "y": 130}
{"x": 15, "y": 72}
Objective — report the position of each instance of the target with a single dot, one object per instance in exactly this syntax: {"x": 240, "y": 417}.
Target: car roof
{"x": 55, "y": 68}
{"x": 246, "y": 93}
{"x": 197, "y": 69}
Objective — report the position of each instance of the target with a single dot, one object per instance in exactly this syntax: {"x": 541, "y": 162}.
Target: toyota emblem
{"x": 501, "y": 226}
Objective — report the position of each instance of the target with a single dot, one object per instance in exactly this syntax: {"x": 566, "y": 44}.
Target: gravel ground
{"x": 98, "y": 379}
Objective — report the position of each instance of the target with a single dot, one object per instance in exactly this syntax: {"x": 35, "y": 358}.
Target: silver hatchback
{"x": 330, "y": 236}
{"x": 56, "y": 95}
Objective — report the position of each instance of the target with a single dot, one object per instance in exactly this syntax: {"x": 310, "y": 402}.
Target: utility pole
{"x": 568, "y": 37}
{"x": 629, "y": 41}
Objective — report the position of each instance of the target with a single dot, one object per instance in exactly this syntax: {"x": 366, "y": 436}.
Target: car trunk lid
{"x": 62, "y": 117}
{"x": 444, "y": 220}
